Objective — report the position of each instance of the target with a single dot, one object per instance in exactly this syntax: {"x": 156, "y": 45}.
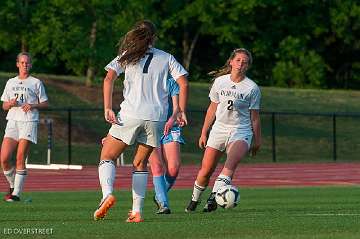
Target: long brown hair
{"x": 226, "y": 69}
{"x": 136, "y": 42}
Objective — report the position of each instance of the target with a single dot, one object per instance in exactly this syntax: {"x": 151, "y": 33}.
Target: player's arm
{"x": 42, "y": 105}
{"x": 256, "y": 127}
{"x": 183, "y": 97}
{"x": 108, "y": 86}
{"x": 7, "y": 105}
{"x": 28, "y": 107}
{"x": 209, "y": 120}
{"x": 170, "y": 122}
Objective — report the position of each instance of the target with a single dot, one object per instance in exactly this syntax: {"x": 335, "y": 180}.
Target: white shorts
{"x": 220, "y": 138}
{"x": 22, "y": 130}
{"x": 130, "y": 130}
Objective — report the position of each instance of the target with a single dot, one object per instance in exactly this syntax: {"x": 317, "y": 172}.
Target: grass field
{"x": 274, "y": 213}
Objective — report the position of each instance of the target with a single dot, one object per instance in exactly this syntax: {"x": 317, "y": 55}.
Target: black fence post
{"x": 334, "y": 137}
{"x": 69, "y": 136}
{"x": 273, "y": 136}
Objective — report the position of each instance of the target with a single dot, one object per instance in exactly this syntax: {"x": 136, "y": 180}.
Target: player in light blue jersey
{"x": 234, "y": 110}
{"x": 165, "y": 160}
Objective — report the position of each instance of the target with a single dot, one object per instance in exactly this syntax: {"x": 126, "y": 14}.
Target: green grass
{"x": 274, "y": 213}
{"x": 289, "y": 100}
{"x": 299, "y": 138}
{"x": 310, "y": 100}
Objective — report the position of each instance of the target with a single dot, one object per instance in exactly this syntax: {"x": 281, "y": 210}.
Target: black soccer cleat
{"x": 157, "y": 203}
{"x": 163, "y": 210}
{"x": 192, "y": 206}
{"x": 211, "y": 204}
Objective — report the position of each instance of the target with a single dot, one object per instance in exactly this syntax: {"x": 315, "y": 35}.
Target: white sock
{"x": 197, "y": 191}
{"x": 19, "y": 181}
{"x": 220, "y": 181}
{"x": 107, "y": 176}
{"x": 10, "y": 176}
{"x": 139, "y": 183}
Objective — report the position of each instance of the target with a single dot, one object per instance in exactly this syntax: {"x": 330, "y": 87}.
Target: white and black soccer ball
{"x": 227, "y": 196}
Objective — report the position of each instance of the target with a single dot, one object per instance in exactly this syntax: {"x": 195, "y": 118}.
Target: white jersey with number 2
{"x": 235, "y": 100}
{"x": 145, "y": 84}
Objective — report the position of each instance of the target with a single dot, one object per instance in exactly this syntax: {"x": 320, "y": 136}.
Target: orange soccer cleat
{"x": 135, "y": 217}
{"x": 104, "y": 207}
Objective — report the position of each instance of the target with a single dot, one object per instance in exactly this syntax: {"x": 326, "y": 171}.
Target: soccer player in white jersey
{"x": 143, "y": 112}
{"x": 234, "y": 106}
{"x": 22, "y": 97}
{"x": 165, "y": 160}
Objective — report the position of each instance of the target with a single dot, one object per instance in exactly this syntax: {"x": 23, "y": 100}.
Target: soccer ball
{"x": 227, "y": 196}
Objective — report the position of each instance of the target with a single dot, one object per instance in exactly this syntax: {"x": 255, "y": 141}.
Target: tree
{"x": 79, "y": 33}
{"x": 342, "y": 44}
{"x": 15, "y": 23}
{"x": 308, "y": 43}
{"x": 207, "y": 20}
{"x": 297, "y": 66}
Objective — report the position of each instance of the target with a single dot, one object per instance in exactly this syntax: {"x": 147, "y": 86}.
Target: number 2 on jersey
{"x": 230, "y": 105}
{"x": 147, "y": 62}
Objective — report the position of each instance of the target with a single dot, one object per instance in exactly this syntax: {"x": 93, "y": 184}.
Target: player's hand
{"x": 169, "y": 124}
{"x": 26, "y": 107}
{"x": 202, "y": 141}
{"x": 254, "y": 149}
{"x": 110, "y": 116}
{"x": 13, "y": 102}
{"x": 182, "y": 119}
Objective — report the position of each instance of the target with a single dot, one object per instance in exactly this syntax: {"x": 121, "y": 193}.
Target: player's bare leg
{"x": 235, "y": 152}
{"x": 171, "y": 153}
{"x": 208, "y": 166}
{"x": 7, "y": 148}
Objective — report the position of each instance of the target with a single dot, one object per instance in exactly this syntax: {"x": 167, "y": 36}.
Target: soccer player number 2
{"x": 147, "y": 62}
{"x": 230, "y": 105}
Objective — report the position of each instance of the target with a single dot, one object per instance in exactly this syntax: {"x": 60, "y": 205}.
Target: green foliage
{"x": 66, "y": 31}
{"x": 297, "y": 66}
{"x": 345, "y": 21}
{"x": 15, "y": 24}
{"x": 305, "y": 43}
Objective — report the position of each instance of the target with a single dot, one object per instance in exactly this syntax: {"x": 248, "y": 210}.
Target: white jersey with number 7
{"x": 145, "y": 84}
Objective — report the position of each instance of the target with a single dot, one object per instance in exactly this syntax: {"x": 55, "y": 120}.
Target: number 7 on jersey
{"x": 147, "y": 62}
